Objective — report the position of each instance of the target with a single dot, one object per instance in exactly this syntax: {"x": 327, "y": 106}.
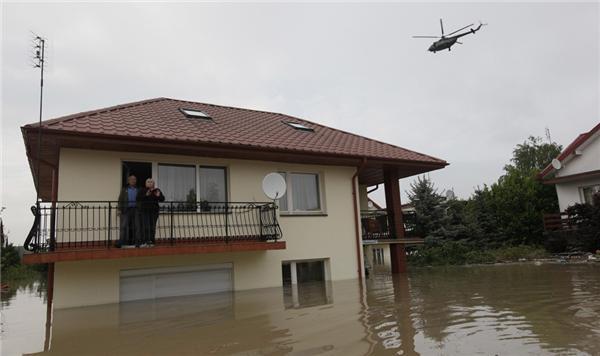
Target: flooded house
{"x": 214, "y": 230}
{"x": 576, "y": 175}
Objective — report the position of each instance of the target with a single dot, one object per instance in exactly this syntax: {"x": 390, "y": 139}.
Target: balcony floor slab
{"x": 96, "y": 253}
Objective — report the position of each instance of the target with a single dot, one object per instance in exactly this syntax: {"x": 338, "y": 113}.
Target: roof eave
{"x": 127, "y": 139}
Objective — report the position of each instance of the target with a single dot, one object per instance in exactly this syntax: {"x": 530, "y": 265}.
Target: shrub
{"x": 460, "y": 253}
{"x": 9, "y": 256}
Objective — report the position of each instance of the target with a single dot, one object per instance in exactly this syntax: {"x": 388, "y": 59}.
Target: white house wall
{"x": 588, "y": 161}
{"x": 96, "y": 175}
{"x": 569, "y": 193}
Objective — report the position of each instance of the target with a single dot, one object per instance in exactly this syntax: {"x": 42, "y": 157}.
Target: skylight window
{"x": 195, "y": 114}
{"x": 299, "y": 126}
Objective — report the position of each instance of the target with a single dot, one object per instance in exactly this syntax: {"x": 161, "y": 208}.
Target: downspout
{"x": 50, "y": 281}
{"x": 356, "y": 216}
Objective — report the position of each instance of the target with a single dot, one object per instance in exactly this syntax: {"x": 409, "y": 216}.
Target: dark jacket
{"x": 149, "y": 203}
{"x": 124, "y": 199}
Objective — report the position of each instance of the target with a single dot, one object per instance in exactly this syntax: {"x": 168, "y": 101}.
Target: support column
{"x": 394, "y": 213}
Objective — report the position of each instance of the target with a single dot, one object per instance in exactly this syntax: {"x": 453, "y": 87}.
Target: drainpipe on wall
{"x": 356, "y": 216}
{"x": 50, "y": 281}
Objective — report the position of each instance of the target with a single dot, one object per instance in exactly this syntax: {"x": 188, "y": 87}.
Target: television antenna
{"x": 548, "y": 137}
{"x": 39, "y": 47}
{"x": 274, "y": 186}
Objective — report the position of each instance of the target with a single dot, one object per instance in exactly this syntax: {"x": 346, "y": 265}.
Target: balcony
{"x": 76, "y": 230}
{"x": 376, "y": 228}
{"x": 559, "y": 222}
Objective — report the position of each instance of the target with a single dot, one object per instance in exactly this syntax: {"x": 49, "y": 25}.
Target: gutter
{"x": 356, "y": 216}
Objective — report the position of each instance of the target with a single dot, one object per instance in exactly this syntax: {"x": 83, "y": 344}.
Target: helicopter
{"x": 446, "y": 41}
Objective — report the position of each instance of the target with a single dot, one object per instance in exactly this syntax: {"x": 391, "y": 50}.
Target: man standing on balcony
{"x": 127, "y": 208}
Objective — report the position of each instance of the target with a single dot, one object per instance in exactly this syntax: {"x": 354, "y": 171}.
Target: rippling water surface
{"x": 492, "y": 310}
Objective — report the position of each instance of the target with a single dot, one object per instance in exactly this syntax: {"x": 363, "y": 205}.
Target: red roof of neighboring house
{"x": 570, "y": 149}
{"x": 161, "y": 119}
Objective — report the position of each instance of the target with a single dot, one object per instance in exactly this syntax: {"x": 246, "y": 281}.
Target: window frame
{"x": 299, "y": 126}
{"x": 225, "y": 171}
{"x": 287, "y": 174}
{"x": 195, "y": 114}
{"x": 582, "y": 192}
{"x": 165, "y": 204}
{"x": 155, "y": 167}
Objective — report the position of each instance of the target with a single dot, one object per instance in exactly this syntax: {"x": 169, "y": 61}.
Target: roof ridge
{"x": 96, "y": 111}
{"x": 311, "y": 122}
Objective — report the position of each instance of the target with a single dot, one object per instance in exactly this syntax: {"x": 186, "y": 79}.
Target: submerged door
{"x": 175, "y": 281}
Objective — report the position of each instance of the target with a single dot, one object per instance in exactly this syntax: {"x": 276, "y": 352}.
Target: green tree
{"x": 533, "y": 155}
{"x": 429, "y": 210}
{"x": 518, "y": 199}
{"x": 453, "y": 225}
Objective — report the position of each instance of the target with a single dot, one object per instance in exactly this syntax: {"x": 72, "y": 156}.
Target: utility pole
{"x": 38, "y": 62}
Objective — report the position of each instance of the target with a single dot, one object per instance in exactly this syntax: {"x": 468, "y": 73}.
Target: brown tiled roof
{"x": 580, "y": 140}
{"x": 161, "y": 119}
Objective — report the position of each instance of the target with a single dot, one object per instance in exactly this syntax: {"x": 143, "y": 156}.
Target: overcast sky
{"x": 350, "y": 66}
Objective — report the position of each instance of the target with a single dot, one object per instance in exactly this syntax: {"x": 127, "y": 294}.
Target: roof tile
{"x": 161, "y": 119}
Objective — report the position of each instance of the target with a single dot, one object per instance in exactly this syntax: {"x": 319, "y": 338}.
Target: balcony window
{"x": 177, "y": 182}
{"x": 283, "y": 201}
{"x": 213, "y": 184}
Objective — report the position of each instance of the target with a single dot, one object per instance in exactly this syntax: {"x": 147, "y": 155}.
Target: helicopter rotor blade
{"x": 442, "y": 27}
{"x": 459, "y": 42}
{"x": 426, "y": 36}
{"x": 460, "y": 29}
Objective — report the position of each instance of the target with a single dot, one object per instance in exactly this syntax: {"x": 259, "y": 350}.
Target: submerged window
{"x": 378, "y": 258}
{"x": 195, "y": 114}
{"x": 299, "y": 126}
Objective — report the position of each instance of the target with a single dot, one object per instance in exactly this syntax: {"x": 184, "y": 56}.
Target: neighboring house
{"x": 217, "y": 231}
{"x": 576, "y": 171}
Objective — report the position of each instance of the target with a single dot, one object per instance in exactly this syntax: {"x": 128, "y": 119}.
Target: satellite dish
{"x": 274, "y": 185}
{"x": 556, "y": 164}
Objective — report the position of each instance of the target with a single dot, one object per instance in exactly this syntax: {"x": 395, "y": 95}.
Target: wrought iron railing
{"x": 376, "y": 224}
{"x": 97, "y": 224}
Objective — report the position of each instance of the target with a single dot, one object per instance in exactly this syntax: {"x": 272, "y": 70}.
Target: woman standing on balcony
{"x": 148, "y": 199}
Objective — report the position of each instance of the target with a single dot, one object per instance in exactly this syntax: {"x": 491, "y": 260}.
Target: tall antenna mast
{"x": 38, "y": 62}
{"x": 548, "y": 135}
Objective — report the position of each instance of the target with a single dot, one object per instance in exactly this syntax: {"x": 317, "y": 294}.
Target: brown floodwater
{"x": 490, "y": 310}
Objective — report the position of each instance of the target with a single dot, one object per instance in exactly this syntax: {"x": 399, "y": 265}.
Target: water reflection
{"x": 305, "y": 295}
{"x": 513, "y": 309}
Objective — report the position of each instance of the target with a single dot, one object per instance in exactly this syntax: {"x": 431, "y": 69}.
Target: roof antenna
{"x": 39, "y": 46}
{"x": 548, "y": 135}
